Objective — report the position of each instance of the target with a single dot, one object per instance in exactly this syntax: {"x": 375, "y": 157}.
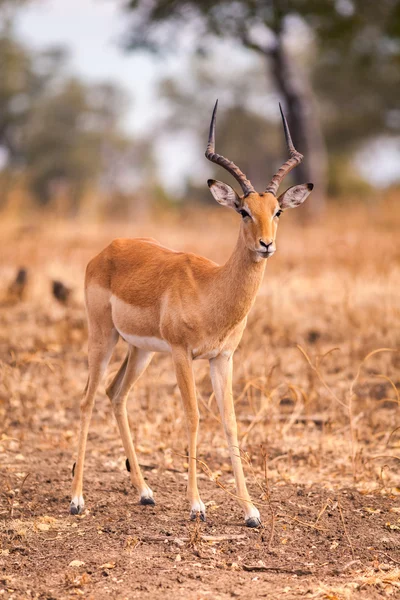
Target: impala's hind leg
{"x": 102, "y": 339}
{"x": 184, "y": 376}
{"x": 133, "y": 366}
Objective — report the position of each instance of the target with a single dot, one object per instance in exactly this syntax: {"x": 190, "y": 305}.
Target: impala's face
{"x": 260, "y": 213}
{"x": 260, "y": 217}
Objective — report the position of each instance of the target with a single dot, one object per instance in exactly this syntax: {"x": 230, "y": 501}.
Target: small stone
{"x": 76, "y": 563}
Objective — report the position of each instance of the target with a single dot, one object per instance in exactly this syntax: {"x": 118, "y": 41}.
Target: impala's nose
{"x": 266, "y": 244}
{"x": 268, "y": 247}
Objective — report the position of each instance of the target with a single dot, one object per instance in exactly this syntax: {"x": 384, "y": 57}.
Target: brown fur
{"x": 182, "y": 298}
{"x": 161, "y": 299}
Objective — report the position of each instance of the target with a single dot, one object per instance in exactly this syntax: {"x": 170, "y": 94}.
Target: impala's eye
{"x": 278, "y": 214}
{"x": 244, "y": 213}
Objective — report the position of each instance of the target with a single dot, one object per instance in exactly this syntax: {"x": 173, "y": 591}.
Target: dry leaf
{"x": 48, "y": 519}
{"x": 392, "y": 526}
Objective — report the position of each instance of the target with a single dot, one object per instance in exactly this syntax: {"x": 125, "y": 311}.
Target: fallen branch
{"x": 260, "y": 568}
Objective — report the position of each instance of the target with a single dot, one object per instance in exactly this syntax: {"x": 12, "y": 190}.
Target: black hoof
{"x": 253, "y": 522}
{"x": 75, "y": 510}
{"x": 147, "y": 501}
{"x": 195, "y": 513}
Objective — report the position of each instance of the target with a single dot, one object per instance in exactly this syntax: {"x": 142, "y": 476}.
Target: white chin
{"x": 262, "y": 255}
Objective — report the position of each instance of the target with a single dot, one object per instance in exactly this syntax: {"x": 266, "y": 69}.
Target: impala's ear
{"x": 224, "y": 194}
{"x": 295, "y": 195}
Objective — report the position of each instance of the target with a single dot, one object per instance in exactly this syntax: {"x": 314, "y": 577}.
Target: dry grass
{"x": 305, "y": 396}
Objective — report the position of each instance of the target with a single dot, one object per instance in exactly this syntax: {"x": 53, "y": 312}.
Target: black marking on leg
{"x": 128, "y": 466}
{"x": 147, "y": 501}
{"x": 253, "y": 522}
{"x": 73, "y": 469}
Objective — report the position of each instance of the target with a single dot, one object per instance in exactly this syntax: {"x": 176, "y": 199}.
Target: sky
{"x": 93, "y": 30}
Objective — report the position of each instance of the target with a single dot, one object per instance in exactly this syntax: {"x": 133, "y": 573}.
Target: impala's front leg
{"x": 221, "y": 376}
{"x": 184, "y": 375}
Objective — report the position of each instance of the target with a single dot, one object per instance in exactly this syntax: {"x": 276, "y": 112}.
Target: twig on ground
{"x": 312, "y": 525}
{"x": 261, "y": 568}
{"x": 267, "y": 493}
{"x": 323, "y": 509}
{"x": 349, "y": 564}
{"x": 396, "y": 562}
{"x": 345, "y": 529}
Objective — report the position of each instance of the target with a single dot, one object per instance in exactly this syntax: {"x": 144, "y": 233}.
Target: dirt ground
{"x": 124, "y": 550}
{"x": 319, "y": 428}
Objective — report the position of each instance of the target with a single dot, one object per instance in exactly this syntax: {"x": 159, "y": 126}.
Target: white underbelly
{"x": 208, "y": 354}
{"x": 127, "y": 317}
{"x": 151, "y": 344}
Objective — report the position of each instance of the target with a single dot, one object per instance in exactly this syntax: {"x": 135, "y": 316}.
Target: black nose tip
{"x": 264, "y": 244}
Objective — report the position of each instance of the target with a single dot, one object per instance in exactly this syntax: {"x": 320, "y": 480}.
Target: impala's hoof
{"x": 147, "y": 501}
{"x": 253, "y": 522}
{"x": 75, "y": 509}
{"x": 198, "y": 514}
{"x": 146, "y": 496}
{"x": 197, "y": 510}
{"x": 77, "y": 505}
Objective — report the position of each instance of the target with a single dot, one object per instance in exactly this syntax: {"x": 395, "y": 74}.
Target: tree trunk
{"x": 300, "y": 109}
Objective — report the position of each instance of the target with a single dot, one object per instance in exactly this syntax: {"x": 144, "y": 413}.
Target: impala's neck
{"x": 238, "y": 281}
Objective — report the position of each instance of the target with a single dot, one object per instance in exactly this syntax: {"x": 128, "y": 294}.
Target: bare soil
{"x": 132, "y": 551}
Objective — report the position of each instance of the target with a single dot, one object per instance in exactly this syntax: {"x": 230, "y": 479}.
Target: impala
{"x": 160, "y": 300}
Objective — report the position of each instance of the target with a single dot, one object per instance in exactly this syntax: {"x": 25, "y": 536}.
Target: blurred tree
{"x": 354, "y": 64}
{"x": 188, "y": 110}
{"x": 61, "y": 144}
{"x": 357, "y": 74}
{"x": 256, "y": 25}
{"x": 65, "y": 136}
{"x": 26, "y": 77}
{"x": 8, "y": 9}
{"x": 62, "y": 133}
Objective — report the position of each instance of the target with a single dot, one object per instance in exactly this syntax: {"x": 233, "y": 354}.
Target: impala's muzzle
{"x": 267, "y": 249}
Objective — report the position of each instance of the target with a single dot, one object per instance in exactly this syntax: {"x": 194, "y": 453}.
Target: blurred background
{"x": 105, "y": 104}
{"x": 105, "y": 107}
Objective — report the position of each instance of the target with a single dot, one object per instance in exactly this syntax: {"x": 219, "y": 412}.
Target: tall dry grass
{"x": 304, "y": 396}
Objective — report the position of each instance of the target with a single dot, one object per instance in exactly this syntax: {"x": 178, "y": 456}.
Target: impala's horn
{"x": 224, "y": 162}
{"x": 294, "y": 160}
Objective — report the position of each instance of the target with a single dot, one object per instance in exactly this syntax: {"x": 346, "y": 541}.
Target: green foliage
{"x": 65, "y": 137}
{"x": 354, "y": 65}
{"x": 357, "y": 75}
{"x": 62, "y": 133}
{"x": 345, "y": 180}
{"x": 247, "y": 137}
